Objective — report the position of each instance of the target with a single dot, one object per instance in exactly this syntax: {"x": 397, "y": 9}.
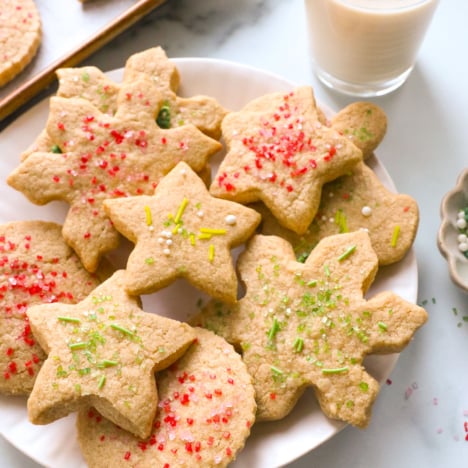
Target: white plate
{"x": 271, "y": 443}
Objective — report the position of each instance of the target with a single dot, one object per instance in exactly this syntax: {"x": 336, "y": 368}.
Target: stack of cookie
{"x": 132, "y": 159}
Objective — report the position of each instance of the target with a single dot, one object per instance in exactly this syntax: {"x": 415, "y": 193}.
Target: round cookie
{"x": 206, "y": 410}
{"x": 36, "y": 266}
{"x": 363, "y": 123}
{"x": 20, "y": 37}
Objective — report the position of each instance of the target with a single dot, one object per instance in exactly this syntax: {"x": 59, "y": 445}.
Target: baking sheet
{"x": 71, "y": 31}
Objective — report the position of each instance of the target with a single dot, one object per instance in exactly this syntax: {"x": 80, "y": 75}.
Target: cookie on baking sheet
{"x": 103, "y": 352}
{"x": 281, "y": 154}
{"x": 364, "y": 123}
{"x": 95, "y": 86}
{"x": 357, "y": 200}
{"x": 308, "y": 324}
{"x": 104, "y": 157}
{"x": 206, "y": 410}
{"x": 182, "y": 231}
{"x": 36, "y": 266}
{"x": 20, "y": 37}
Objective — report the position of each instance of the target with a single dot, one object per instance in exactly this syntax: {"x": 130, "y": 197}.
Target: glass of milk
{"x": 366, "y": 47}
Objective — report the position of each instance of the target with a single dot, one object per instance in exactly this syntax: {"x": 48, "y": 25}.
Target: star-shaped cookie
{"x": 280, "y": 153}
{"x": 357, "y": 200}
{"x": 302, "y": 325}
{"x": 182, "y": 231}
{"x": 103, "y": 351}
{"x": 104, "y": 157}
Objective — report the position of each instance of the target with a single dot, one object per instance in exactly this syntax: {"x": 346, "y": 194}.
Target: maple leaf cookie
{"x": 103, "y": 157}
{"x": 279, "y": 153}
{"x": 206, "y": 410}
{"x": 302, "y": 325}
{"x": 20, "y": 37}
{"x": 182, "y": 231}
{"x": 357, "y": 200}
{"x": 103, "y": 352}
{"x": 36, "y": 266}
{"x": 95, "y": 86}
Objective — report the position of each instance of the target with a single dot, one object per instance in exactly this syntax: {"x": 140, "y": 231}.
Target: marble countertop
{"x": 420, "y": 417}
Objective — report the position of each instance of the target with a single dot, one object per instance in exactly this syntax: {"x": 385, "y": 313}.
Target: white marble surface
{"x": 419, "y": 419}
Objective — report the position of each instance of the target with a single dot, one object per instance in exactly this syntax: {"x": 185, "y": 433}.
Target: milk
{"x": 367, "y": 44}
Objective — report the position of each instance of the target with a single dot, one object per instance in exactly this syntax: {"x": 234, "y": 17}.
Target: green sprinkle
{"x": 69, "y": 319}
{"x": 327, "y": 270}
{"x": 276, "y": 371}
{"x": 395, "y": 235}
{"x": 102, "y": 382}
{"x": 335, "y": 370}
{"x": 85, "y": 76}
{"x": 382, "y": 326}
{"x": 149, "y": 260}
{"x": 61, "y": 372}
{"x": 364, "y": 386}
{"x": 312, "y": 283}
{"x": 341, "y": 221}
{"x": 180, "y": 211}
{"x": 303, "y": 257}
{"x": 79, "y": 345}
{"x": 298, "y": 345}
{"x": 84, "y": 371}
{"x": 56, "y": 149}
{"x": 164, "y": 117}
{"x": 347, "y": 253}
{"x": 274, "y": 329}
{"x": 121, "y": 329}
{"x": 107, "y": 363}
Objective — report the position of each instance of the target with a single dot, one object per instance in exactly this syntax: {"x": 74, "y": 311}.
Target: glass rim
{"x": 378, "y": 7}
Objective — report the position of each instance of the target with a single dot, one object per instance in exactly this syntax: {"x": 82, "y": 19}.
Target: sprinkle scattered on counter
{"x": 410, "y": 390}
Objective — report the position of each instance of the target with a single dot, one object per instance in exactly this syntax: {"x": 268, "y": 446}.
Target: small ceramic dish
{"x": 453, "y": 232}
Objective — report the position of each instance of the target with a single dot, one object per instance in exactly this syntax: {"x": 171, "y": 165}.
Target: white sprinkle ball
{"x": 366, "y": 211}
{"x": 167, "y": 251}
{"x": 461, "y": 223}
{"x": 463, "y": 246}
{"x": 169, "y": 242}
{"x": 200, "y": 214}
{"x": 230, "y": 219}
{"x": 160, "y": 240}
{"x": 462, "y": 238}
